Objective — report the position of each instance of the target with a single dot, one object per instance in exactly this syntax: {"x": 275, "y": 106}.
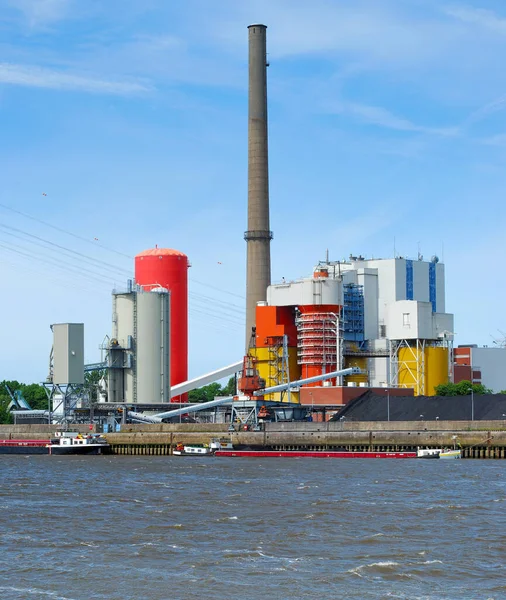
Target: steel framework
{"x": 319, "y": 343}
{"x": 279, "y": 369}
{"x": 414, "y": 362}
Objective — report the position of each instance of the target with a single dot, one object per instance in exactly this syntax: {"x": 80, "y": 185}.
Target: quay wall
{"x": 477, "y": 438}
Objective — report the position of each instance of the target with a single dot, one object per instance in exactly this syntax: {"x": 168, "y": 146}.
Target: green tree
{"x": 35, "y": 395}
{"x": 5, "y": 414}
{"x": 446, "y": 389}
{"x": 5, "y": 400}
{"x": 209, "y": 392}
{"x": 91, "y": 382}
{"x": 205, "y": 393}
{"x": 229, "y": 389}
{"x": 463, "y": 388}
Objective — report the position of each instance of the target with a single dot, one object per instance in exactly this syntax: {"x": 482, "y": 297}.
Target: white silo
{"x": 121, "y": 379}
{"x": 152, "y": 347}
{"x": 138, "y": 352}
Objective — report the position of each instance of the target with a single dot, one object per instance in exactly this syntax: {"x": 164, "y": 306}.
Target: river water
{"x": 157, "y": 528}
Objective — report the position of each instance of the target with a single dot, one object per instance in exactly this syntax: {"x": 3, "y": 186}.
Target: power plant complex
{"x": 351, "y": 324}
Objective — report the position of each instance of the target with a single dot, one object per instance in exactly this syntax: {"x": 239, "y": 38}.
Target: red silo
{"x": 169, "y": 269}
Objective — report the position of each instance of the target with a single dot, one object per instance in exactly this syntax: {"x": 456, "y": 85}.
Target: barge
{"x": 63, "y": 443}
{"x": 311, "y": 454}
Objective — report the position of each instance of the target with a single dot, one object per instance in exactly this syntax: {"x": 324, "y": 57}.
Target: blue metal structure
{"x": 17, "y": 399}
{"x": 432, "y": 285}
{"x": 353, "y": 312}
{"x": 409, "y": 279}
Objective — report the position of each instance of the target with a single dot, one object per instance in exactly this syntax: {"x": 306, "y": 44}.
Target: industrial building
{"x": 149, "y": 319}
{"x": 356, "y": 323}
{"x": 485, "y": 365}
{"x": 385, "y": 316}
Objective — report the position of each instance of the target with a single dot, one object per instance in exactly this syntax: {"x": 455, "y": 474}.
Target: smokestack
{"x": 258, "y": 236}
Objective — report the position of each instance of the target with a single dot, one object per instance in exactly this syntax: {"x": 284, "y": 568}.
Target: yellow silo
{"x": 422, "y": 368}
{"x": 436, "y": 368}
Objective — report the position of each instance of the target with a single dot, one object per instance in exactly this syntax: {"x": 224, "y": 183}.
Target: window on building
{"x": 405, "y": 319}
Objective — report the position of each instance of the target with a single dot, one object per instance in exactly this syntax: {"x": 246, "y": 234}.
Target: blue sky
{"x": 387, "y": 123}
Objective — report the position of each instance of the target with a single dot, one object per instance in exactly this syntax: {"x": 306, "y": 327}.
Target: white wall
{"x": 378, "y": 368}
{"x": 384, "y": 282}
{"x": 305, "y": 293}
{"x": 410, "y": 320}
{"x": 402, "y": 320}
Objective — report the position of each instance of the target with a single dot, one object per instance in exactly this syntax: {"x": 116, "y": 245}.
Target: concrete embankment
{"x": 479, "y": 439}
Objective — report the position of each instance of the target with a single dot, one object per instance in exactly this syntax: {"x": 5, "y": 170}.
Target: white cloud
{"x": 379, "y": 32}
{"x": 486, "y": 110}
{"x": 32, "y": 76}
{"x": 480, "y": 17}
{"x": 376, "y": 115}
{"x": 358, "y": 230}
{"x": 496, "y": 140}
{"x": 42, "y": 11}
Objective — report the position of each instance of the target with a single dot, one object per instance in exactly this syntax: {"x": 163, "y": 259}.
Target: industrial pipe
{"x": 182, "y": 411}
{"x": 292, "y": 384}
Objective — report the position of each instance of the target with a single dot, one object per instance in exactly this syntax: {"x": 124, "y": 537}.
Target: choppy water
{"x": 158, "y": 528}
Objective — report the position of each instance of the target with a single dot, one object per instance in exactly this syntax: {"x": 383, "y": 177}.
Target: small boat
{"x": 439, "y": 453}
{"x": 202, "y": 449}
{"x": 428, "y": 453}
{"x": 63, "y": 443}
{"x": 448, "y": 453}
{"x": 192, "y": 450}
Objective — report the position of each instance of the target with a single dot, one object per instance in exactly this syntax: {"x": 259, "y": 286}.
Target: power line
{"x": 63, "y": 282}
{"x": 66, "y": 231}
{"x": 104, "y": 264}
{"x": 215, "y": 325}
{"x": 94, "y": 261}
{"x": 218, "y": 317}
{"x": 225, "y": 306}
{"x": 96, "y": 276}
{"x": 60, "y": 256}
{"x": 216, "y": 288}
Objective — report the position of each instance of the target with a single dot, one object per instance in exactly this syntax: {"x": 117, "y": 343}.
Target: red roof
{"x": 161, "y": 252}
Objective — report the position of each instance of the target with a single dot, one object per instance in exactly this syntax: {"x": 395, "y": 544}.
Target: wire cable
{"x": 87, "y": 258}
{"x": 66, "y": 231}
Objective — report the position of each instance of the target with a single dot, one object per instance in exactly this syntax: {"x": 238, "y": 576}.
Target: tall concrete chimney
{"x": 258, "y": 236}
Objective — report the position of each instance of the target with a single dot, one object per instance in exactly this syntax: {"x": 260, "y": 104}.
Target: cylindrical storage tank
{"x": 317, "y": 329}
{"x": 436, "y": 368}
{"x": 152, "y": 346}
{"x": 121, "y": 380}
{"x": 409, "y": 360}
{"x": 166, "y": 268}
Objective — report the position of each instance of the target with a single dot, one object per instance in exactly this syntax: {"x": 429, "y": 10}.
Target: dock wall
{"x": 479, "y": 439}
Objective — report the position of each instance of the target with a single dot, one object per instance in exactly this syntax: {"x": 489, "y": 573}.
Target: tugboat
{"x": 63, "y": 443}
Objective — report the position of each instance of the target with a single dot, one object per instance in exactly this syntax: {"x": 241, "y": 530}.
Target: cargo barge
{"x": 311, "y": 454}
{"x": 64, "y": 443}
